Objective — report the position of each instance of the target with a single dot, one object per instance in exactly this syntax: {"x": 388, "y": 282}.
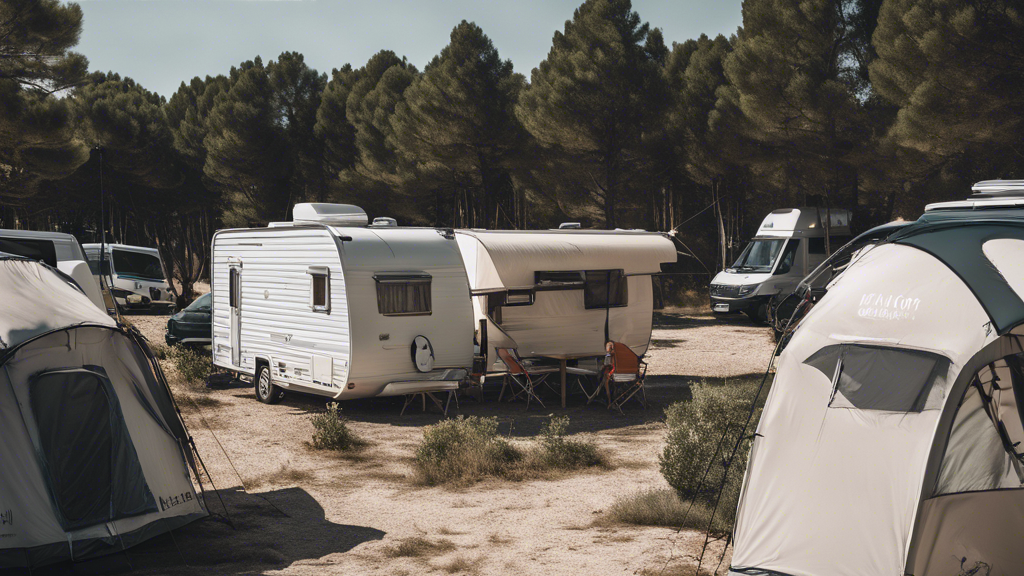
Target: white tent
{"x": 555, "y": 292}
{"x": 93, "y": 455}
{"x": 889, "y": 441}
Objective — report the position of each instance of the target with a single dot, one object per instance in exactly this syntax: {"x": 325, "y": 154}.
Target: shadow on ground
{"x": 673, "y": 321}
{"x": 271, "y": 530}
{"x": 513, "y": 417}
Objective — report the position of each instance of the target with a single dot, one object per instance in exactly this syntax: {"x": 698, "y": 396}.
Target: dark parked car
{"x": 191, "y": 325}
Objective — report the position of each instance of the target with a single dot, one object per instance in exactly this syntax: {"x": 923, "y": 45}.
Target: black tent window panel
{"x": 403, "y": 295}
{"x": 605, "y": 289}
{"x": 882, "y": 378}
{"x": 93, "y": 470}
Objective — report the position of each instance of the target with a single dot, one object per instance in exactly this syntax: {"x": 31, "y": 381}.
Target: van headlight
{"x": 748, "y": 289}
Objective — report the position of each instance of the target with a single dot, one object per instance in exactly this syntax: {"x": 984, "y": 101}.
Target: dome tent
{"x": 891, "y": 441}
{"x": 93, "y": 455}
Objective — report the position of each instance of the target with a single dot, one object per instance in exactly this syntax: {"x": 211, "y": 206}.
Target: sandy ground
{"x": 299, "y": 511}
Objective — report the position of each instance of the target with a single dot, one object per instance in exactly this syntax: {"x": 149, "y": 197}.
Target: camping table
{"x": 562, "y": 369}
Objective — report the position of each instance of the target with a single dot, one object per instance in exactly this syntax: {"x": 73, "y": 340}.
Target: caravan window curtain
{"x": 92, "y": 468}
{"x": 881, "y": 378}
{"x": 403, "y": 295}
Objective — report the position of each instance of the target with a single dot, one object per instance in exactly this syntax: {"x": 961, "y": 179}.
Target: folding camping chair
{"x": 627, "y": 375}
{"x": 518, "y": 375}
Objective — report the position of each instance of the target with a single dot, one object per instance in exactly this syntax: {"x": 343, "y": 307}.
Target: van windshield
{"x": 137, "y": 264}
{"x": 759, "y": 256}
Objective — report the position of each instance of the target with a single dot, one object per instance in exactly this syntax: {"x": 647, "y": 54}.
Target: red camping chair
{"x": 625, "y": 379}
{"x": 519, "y": 378}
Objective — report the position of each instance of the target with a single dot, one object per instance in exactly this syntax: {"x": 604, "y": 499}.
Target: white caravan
{"x": 556, "y": 293}
{"x": 892, "y": 439}
{"x": 57, "y": 249}
{"x": 789, "y": 244}
{"x": 328, "y": 305}
{"x": 135, "y": 275}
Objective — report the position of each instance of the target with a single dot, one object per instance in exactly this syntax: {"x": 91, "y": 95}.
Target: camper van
{"x": 58, "y": 250}
{"x": 789, "y": 244}
{"x": 563, "y": 293}
{"x": 327, "y": 305}
{"x": 891, "y": 441}
{"x": 135, "y": 275}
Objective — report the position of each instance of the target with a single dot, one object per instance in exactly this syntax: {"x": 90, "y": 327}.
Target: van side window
{"x": 816, "y": 246}
{"x": 320, "y": 288}
{"x": 787, "y": 258}
{"x": 605, "y": 288}
{"x": 403, "y": 294}
{"x": 42, "y": 250}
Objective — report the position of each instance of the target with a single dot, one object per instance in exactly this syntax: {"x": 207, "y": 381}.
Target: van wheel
{"x": 266, "y": 391}
{"x": 758, "y": 315}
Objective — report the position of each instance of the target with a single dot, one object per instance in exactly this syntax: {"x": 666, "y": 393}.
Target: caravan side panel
{"x": 277, "y": 322}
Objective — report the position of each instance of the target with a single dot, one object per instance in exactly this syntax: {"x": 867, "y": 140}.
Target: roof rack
{"x": 998, "y": 189}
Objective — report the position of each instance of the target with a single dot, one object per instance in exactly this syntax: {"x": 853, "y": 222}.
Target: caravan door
{"x": 235, "y": 302}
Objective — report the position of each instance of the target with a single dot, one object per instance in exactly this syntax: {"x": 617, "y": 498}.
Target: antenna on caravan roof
{"x": 333, "y": 214}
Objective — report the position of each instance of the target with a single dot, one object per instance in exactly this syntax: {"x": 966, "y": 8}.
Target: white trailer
{"x": 327, "y": 305}
{"x": 554, "y": 293}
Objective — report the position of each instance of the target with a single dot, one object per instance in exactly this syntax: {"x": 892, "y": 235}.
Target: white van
{"x": 789, "y": 244}
{"x": 135, "y": 275}
{"x": 328, "y": 305}
{"x": 57, "y": 249}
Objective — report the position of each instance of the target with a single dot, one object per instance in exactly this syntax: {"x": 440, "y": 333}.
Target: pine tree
{"x": 794, "y": 77}
{"x": 247, "y": 150}
{"x": 456, "y": 121}
{"x": 955, "y": 71}
{"x": 594, "y": 96}
{"x": 37, "y": 130}
{"x": 332, "y": 128}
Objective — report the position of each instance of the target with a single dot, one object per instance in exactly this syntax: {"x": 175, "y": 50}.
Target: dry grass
{"x": 286, "y": 475}
{"x": 418, "y": 547}
{"x": 464, "y": 451}
{"x": 461, "y": 565}
{"x": 652, "y": 508}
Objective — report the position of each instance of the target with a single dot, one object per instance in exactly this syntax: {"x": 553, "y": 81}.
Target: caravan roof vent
{"x": 998, "y": 189}
{"x": 384, "y": 222}
{"x": 333, "y": 214}
{"x": 569, "y": 226}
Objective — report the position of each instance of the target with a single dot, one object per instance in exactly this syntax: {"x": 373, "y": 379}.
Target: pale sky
{"x": 160, "y": 43}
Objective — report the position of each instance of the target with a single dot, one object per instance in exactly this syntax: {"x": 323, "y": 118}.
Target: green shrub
{"x": 330, "y": 431}
{"x": 464, "y": 450}
{"x": 193, "y": 366}
{"x": 694, "y": 441}
{"x": 558, "y": 451}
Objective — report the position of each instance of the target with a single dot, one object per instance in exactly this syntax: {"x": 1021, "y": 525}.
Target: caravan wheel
{"x": 266, "y": 391}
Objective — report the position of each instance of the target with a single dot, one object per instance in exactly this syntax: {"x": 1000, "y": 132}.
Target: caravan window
{"x": 605, "y": 289}
{"x": 403, "y": 295}
{"x": 320, "y": 288}
{"x": 559, "y": 280}
{"x": 234, "y": 291}
{"x": 880, "y": 378}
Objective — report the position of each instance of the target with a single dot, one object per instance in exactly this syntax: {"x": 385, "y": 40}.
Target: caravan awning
{"x": 510, "y": 259}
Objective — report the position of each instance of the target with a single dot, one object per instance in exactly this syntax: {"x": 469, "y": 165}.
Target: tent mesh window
{"x": 403, "y": 295}
{"x": 91, "y": 464}
{"x": 986, "y": 443}
{"x": 881, "y": 378}
{"x": 605, "y": 289}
